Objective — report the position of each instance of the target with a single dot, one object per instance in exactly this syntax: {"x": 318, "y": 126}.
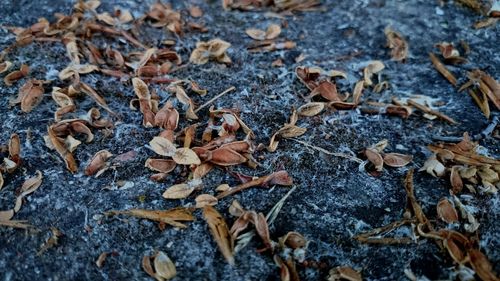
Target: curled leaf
{"x": 98, "y": 162}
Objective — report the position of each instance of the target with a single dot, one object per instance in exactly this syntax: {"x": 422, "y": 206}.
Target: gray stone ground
{"x": 334, "y": 200}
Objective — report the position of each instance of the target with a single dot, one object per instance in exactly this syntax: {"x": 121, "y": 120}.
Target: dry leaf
{"x": 225, "y": 156}
{"x": 272, "y": 32}
{"x": 396, "y": 159}
{"x": 214, "y": 49}
{"x": 373, "y": 67}
{"x": 15, "y": 148}
{"x": 164, "y": 266}
{"x": 186, "y": 156}
{"x": 455, "y": 180}
{"x": 399, "y": 47}
{"x": 163, "y": 146}
{"x": 171, "y": 217}
{"x": 98, "y": 162}
{"x": 220, "y": 232}
{"x": 375, "y": 158}
{"x": 29, "y": 186}
{"x": 178, "y": 191}
{"x": 16, "y": 75}
{"x": 160, "y": 165}
{"x": 446, "y": 211}
{"x": 311, "y": 109}
{"x": 204, "y": 200}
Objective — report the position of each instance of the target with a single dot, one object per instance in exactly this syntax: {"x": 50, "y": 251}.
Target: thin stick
{"x": 343, "y": 155}
{"x": 428, "y": 110}
{"x": 214, "y": 98}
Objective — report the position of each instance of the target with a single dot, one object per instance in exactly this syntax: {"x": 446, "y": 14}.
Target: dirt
{"x": 334, "y": 199}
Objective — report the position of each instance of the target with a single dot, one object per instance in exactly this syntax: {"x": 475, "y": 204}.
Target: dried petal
{"x": 375, "y": 158}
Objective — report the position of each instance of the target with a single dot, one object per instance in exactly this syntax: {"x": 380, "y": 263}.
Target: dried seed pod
{"x": 446, "y": 211}
{"x": 455, "y": 180}
{"x": 225, "y": 156}
{"x": 98, "y": 162}
{"x": 178, "y": 191}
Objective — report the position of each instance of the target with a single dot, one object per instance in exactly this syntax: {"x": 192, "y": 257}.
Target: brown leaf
{"x": 327, "y": 90}
{"x": 279, "y": 178}
{"x": 204, "y": 200}
{"x": 98, "y": 162}
{"x": 397, "y": 159}
{"x": 16, "y": 75}
{"x": 455, "y": 180}
{"x": 397, "y": 44}
{"x": 293, "y": 240}
{"x": 171, "y": 217}
{"x": 373, "y": 67}
{"x": 160, "y": 165}
{"x": 167, "y": 117}
{"x": 1, "y": 181}
{"x": 15, "y": 148}
{"x": 446, "y": 211}
{"x": 375, "y": 158}
{"x": 60, "y": 147}
{"x": 225, "y": 156}
{"x": 214, "y": 49}
{"x": 220, "y": 232}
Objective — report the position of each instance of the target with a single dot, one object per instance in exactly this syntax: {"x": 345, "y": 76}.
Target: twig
{"x": 430, "y": 111}
{"x": 343, "y": 155}
{"x": 214, "y": 98}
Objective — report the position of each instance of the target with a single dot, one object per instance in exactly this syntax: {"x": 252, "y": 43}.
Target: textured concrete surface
{"x": 333, "y": 201}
